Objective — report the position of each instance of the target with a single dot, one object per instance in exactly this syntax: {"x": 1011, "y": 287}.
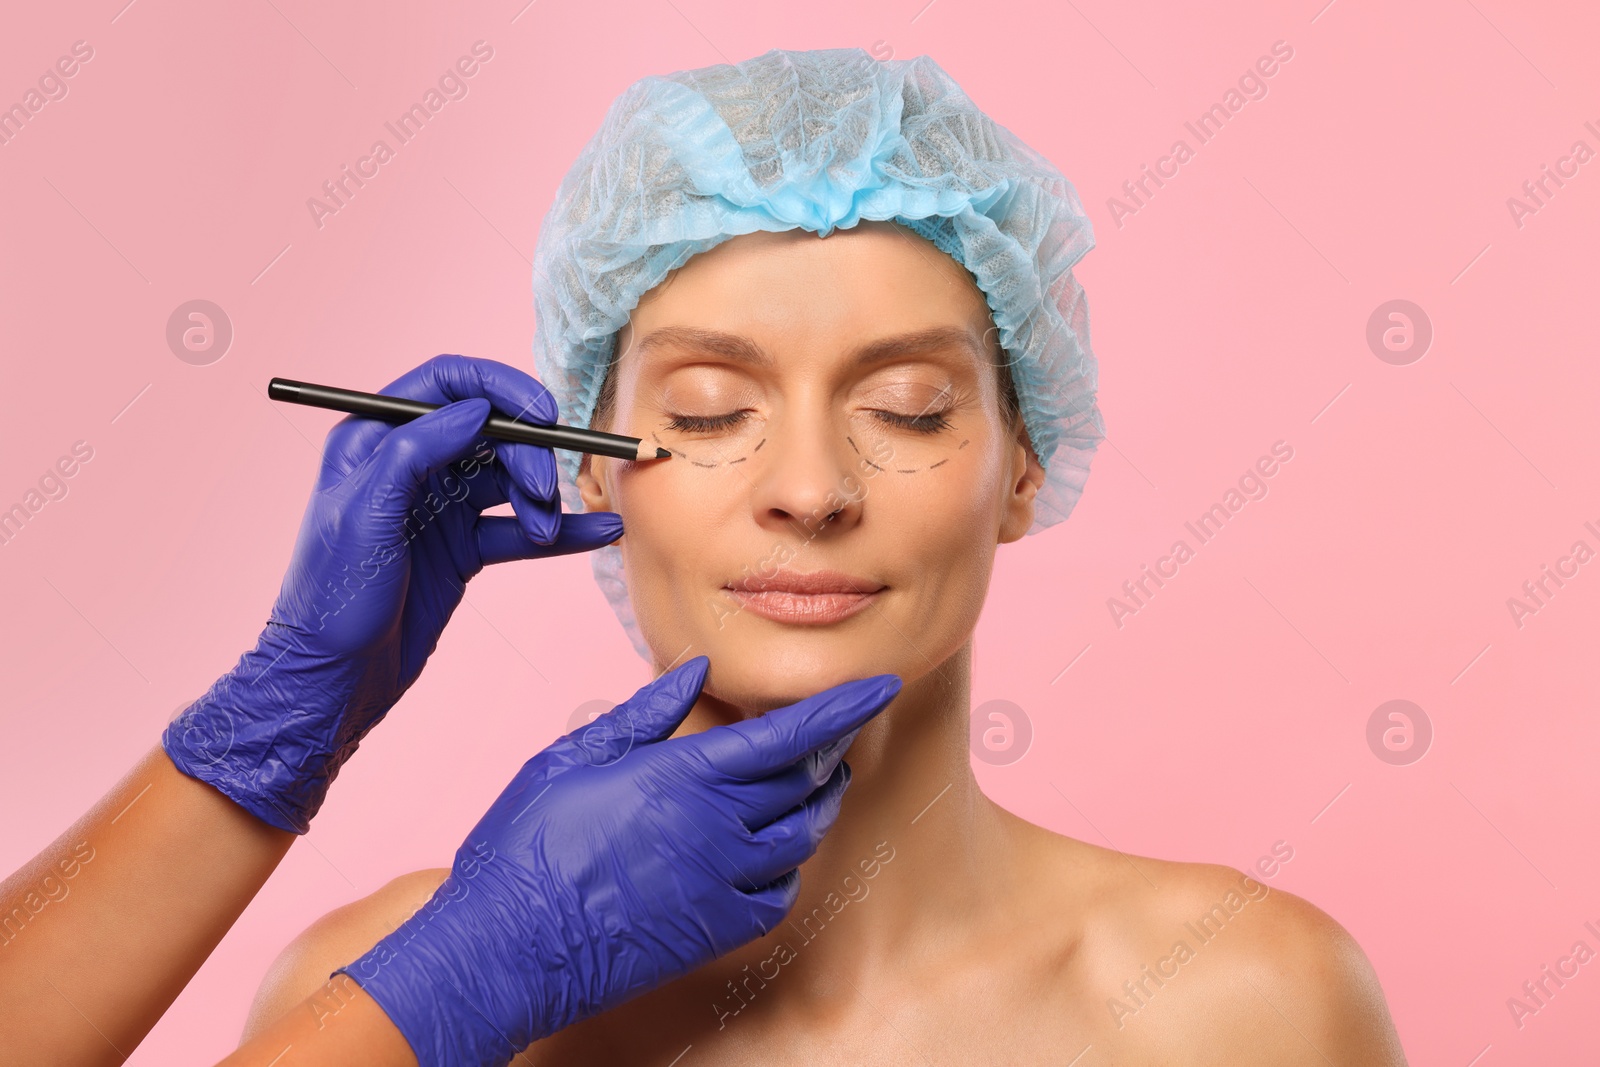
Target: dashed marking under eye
{"x": 697, "y": 463}
{"x": 903, "y": 470}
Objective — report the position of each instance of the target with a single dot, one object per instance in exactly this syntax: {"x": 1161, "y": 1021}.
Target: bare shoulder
{"x": 1286, "y": 968}
{"x": 338, "y": 938}
{"x": 1175, "y": 952}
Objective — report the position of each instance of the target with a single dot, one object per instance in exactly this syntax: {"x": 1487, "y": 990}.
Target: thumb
{"x": 409, "y": 453}
{"x": 648, "y": 716}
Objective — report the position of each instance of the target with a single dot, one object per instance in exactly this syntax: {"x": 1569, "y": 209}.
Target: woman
{"x": 844, "y": 296}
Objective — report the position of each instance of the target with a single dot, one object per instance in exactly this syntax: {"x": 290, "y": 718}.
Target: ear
{"x": 591, "y": 488}
{"x": 1021, "y": 489}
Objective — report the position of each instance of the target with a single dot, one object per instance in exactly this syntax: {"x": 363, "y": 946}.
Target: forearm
{"x": 145, "y": 884}
{"x": 337, "y": 1024}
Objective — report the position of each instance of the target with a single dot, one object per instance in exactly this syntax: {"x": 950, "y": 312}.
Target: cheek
{"x": 945, "y": 525}
{"x": 670, "y": 502}
{"x": 671, "y": 514}
{"x": 946, "y": 505}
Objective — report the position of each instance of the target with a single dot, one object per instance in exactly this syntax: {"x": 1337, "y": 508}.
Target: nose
{"x": 808, "y": 482}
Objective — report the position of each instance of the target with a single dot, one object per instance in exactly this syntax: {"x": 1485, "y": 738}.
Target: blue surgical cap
{"x": 817, "y": 140}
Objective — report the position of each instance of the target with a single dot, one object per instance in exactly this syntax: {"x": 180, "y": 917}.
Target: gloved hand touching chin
{"x": 618, "y": 858}
{"x": 391, "y": 536}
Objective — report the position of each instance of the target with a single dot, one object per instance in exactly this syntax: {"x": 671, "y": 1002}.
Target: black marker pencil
{"x": 399, "y": 409}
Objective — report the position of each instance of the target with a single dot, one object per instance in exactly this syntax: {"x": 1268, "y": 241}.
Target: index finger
{"x": 756, "y": 748}
{"x": 443, "y": 380}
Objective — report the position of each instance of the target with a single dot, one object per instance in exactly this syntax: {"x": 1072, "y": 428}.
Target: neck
{"x": 915, "y": 840}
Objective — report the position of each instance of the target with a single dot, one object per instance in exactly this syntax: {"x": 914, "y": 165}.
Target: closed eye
{"x": 707, "y": 423}
{"x": 930, "y": 423}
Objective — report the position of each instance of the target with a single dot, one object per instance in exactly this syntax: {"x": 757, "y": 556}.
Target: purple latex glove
{"x": 389, "y": 540}
{"x": 617, "y": 859}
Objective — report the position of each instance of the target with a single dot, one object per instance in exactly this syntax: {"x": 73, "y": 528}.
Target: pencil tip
{"x": 662, "y": 453}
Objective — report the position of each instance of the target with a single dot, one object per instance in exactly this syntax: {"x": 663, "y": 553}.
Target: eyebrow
{"x": 740, "y": 349}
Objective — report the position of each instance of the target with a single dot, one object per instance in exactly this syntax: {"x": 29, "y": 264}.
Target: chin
{"x": 765, "y": 666}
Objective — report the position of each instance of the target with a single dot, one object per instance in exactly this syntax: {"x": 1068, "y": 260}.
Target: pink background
{"x": 1228, "y": 313}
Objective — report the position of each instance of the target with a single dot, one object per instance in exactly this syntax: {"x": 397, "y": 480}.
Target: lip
{"x": 806, "y": 598}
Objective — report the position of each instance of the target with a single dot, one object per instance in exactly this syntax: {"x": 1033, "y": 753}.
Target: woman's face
{"x": 833, "y": 409}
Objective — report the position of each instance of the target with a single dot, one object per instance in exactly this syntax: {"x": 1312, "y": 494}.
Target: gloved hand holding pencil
{"x": 392, "y": 534}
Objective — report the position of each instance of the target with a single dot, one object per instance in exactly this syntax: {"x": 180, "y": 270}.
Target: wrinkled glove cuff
{"x": 435, "y": 978}
{"x": 269, "y": 734}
